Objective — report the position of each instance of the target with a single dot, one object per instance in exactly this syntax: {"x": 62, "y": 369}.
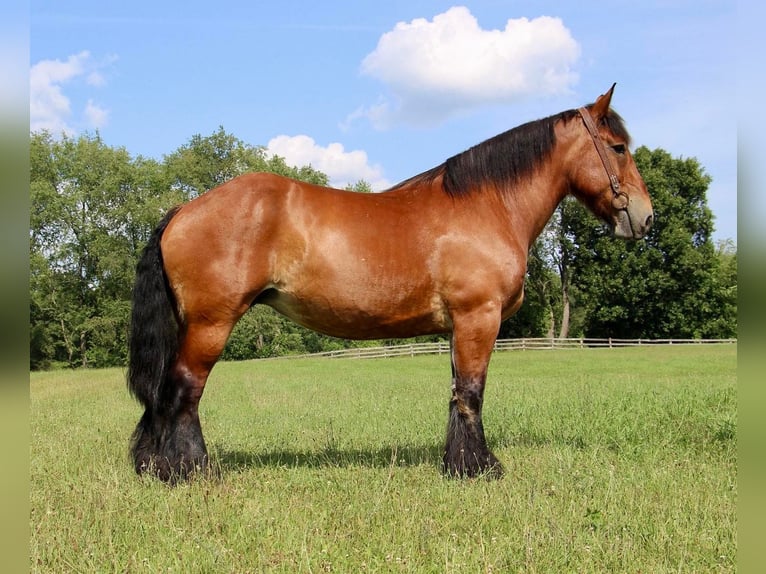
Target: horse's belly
{"x": 362, "y": 317}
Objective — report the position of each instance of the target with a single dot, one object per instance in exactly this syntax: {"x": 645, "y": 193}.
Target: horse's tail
{"x": 153, "y": 342}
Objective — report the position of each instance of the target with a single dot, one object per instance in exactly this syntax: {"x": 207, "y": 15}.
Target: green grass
{"x": 620, "y": 460}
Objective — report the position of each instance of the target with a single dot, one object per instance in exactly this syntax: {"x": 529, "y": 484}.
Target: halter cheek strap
{"x": 620, "y": 200}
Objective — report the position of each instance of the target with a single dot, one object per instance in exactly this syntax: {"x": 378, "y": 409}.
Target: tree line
{"x": 94, "y": 206}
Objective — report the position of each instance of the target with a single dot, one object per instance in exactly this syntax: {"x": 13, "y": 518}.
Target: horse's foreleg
{"x": 466, "y": 453}
{"x": 168, "y": 441}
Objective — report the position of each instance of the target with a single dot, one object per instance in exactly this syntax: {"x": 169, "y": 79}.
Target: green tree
{"x": 667, "y": 285}
{"x": 91, "y": 208}
{"x": 361, "y": 186}
{"x": 262, "y": 333}
{"x": 206, "y": 162}
{"x": 725, "y": 323}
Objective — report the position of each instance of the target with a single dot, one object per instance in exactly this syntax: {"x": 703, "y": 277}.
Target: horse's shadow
{"x": 228, "y": 460}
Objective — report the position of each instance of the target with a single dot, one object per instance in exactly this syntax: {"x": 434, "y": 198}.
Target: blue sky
{"x": 382, "y": 91}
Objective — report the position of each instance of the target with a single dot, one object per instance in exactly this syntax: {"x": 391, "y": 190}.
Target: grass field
{"x": 617, "y": 460}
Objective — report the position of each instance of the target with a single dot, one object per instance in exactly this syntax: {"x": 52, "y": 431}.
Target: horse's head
{"x": 604, "y": 176}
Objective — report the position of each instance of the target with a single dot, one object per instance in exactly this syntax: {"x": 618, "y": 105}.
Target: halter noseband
{"x": 621, "y": 198}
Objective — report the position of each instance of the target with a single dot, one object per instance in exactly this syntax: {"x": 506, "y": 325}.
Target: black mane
{"x": 505, "y": 159}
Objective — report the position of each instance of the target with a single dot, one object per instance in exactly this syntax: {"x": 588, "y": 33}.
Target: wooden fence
{"x": 440, "y": 347}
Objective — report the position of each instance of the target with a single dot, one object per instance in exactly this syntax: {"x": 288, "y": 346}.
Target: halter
{"x": 621, "y": 198}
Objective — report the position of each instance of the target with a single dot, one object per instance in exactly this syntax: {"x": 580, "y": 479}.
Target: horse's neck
{"x": 532, "y": 203}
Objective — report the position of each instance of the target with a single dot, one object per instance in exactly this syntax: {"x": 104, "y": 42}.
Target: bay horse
{"x": 442, "y": 252}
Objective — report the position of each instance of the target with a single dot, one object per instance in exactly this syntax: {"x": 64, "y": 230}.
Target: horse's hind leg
{"x": 466, "y": 453}
{"x": 168, "y": 441}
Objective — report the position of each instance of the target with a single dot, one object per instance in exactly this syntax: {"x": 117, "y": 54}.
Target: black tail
{"x": 153, "y": 342}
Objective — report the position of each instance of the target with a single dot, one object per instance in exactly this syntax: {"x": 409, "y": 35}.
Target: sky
{"x": 382, "y": 91}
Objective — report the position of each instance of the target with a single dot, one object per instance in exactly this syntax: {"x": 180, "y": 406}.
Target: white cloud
{"x": 96, "y": 79}
{"x": 50, "y": 108}
{"x": 341, "y": 166}
{"x": 436, "y": 68}
{"x": 95, "y": 115}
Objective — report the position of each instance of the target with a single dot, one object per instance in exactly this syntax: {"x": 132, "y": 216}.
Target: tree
{"x": 562, "y": 250}
{"x": 361, "y": 186}
{"x": 725, "y": 322}
{"x": 85, "y": 226}
{"x": 207, "y": 162}
{"x": 668, "y": 285}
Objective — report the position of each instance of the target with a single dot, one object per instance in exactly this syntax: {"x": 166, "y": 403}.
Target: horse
{"x": 443, "y": 252}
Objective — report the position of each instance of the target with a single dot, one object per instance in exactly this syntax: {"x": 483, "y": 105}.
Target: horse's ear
{"x": 601, "y": 108}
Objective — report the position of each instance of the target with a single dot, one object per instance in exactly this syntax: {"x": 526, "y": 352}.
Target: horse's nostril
{"x": 649, "y": 221}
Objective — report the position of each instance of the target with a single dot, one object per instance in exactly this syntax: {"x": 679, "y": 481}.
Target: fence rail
{"x": 529, "y": 344}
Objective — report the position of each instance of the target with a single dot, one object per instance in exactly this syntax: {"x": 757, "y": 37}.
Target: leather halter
{"x": 621, "y": 199}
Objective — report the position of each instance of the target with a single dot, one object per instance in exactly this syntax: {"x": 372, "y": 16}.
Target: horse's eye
{"x": 619, "y": 148}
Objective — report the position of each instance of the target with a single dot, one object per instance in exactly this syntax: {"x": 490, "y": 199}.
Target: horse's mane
{"x": 506, "y": 159}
